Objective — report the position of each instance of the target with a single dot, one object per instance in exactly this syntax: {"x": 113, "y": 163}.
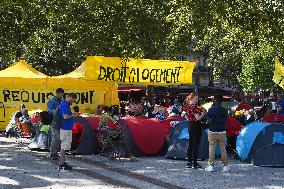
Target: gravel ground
{"x": 173, "y": 171}
{"x": 18, "y": 169}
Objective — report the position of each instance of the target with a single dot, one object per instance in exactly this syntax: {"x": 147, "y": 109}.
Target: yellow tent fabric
{"x": 278, "y": 77}
{"x": 22, "y": 84}
{"x": 22, "y": 74}
{"x": 21, "y": 70}
{"x": 108, "y": 91}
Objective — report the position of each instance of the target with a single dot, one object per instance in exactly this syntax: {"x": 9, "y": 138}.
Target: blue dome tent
{"x": 262, "y": 144}
{"x": 178, "y": 143}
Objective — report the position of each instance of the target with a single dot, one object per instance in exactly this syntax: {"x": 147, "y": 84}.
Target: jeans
{"x": 55, "y": 138}
{"x": 195, "y": 132}
{"x": 215, "y": 138}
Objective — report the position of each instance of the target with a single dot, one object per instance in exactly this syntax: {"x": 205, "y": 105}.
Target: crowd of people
{"x": 61, "y": 122}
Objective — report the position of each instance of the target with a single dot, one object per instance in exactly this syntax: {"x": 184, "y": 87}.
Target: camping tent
{"x": 20, "y": 75}
{"x": 273, "y": 118}
{"x": 84, "y": 137}
{"x": 170, "y": 122}
{"x": 262, "y": 143}
{"x": 83, "y": 141}
{"x": 244, "y": 106}
{"x": 22, "y": 84}
{"x": 178, "y": 143}
{"x": 143, "y": 136}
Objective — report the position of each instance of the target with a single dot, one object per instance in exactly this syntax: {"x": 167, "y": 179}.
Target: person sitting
{"x": 115, "y": 112}
{"x": 26, "y": 119}
{"x": 12, "y": 130}
{"x": 133, "y": 108}
{"x": 100, "y": 110}
{"x": 159, "y": 113}
{"x": 123, "y": 109}
{"x": 249, "y": 116}
{"x": 146, "y": 107}
{"x": 106, "y": 134}
{"x": 175, "y": 111}
{"x": 177, "y": 106}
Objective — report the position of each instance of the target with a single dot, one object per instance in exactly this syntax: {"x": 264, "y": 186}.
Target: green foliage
{"x": 61, "y": 33}
{"x": 56, "y": 35}
{"x": 258, "y": 68}
{"x": 226, "y": 30}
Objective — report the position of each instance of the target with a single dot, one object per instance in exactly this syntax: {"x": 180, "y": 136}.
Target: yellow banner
{"x": 278, "y": 77}
{"x": 139, "y": 71}
{"x": 11, "y": 99}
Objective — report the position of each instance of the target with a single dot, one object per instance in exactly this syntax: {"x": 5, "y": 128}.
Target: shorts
{"x": 66, "y": 139}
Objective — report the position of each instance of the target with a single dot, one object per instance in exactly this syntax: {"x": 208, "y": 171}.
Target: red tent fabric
{"x": 244, "y": 105}
{"x": 233, "y": 126}
{"x": 94, "y": 122}
{"x": 273, "y": 118}
{"x": 77, "y": 133}
{"x": 147, "y": 134}
{"x": 170, "y": 122}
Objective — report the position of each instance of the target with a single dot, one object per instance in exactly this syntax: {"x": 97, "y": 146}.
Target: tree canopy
{"x": 56, "y": 35}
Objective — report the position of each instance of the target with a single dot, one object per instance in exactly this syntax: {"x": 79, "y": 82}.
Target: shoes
{"x": 226, "y": 169}
{"x": 189, "y": 165}
{"x": 64, "y": 167}
{"x": 111, "y": 157}
{"x": 197, "y": 166}
{"x": 133, "y": 159}
{"x": 54, "y": 156}
{"x": 210, "y": 168}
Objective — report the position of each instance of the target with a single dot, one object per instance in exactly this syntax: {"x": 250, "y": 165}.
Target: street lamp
{"x": 197, "y": 80}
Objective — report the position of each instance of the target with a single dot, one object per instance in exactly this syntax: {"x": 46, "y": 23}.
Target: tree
{"x": 258, "y": 68}
{"x": 228, "y": 30}
{"x": 18, "y": 20}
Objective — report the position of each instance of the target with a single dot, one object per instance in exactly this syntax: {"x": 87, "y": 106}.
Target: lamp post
{"x": 197, "y": 80}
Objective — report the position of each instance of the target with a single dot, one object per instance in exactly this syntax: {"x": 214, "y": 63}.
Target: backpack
{"x": 57, "y": 120}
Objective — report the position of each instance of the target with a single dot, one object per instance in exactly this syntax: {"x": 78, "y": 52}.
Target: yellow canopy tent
{"x": 94, "y": 81}
{"x": 22, "y": 74}
{"x": 16, "y": 82}
{"x": 22, "y": 84}
{"x": 103, "y": 92}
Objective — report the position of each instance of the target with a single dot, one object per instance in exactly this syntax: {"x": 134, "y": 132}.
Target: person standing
{"x": 52, "y": 108}
{"x": 146, "y": 107}
{"x": 133, "y": 108}
{"x": 194, "y": 114}
{"x": 217, "y": 133}
{"x": 281, "y": 105}
{"x": 66, "y": 127}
